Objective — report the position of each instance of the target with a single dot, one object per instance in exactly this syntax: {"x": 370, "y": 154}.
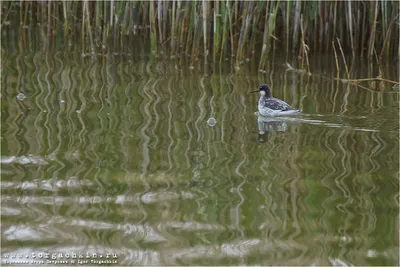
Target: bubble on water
{"x": 62, "y": 101}
{"x": 21, "y": 96}
{"x": 212, "y": 121}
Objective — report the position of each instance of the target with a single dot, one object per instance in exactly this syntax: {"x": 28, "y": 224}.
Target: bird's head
{"x": 264, "y": 89}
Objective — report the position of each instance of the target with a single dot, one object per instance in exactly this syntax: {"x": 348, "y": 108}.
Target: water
{"x": 114, "y": 154}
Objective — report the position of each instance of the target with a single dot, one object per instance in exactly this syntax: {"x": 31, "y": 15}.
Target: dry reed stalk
{"x": 254, "y": 30}
{"x": 386, "y": 41}
{"x": 205, "y": 14}
{"x": 160, "y": 20}
{"x": 49, "y": 18}
{"x": 31, "y": 14}
{"x": 334, "y": 21}
{"x": 216, "y": 29}
{"x": 224, "y": 14}
{"x": 336, "y": 59}
{"x": 247, "y": 16}
{"x": 364, "y": 32}
{"x": 350, "y": 25}
{"x": 321, "y": 27}
{"x": 373, "y": 30}
{"x": 106, "y": 27}
{"x": 65, "y": 13}
{"x": 344, "y": 59}
{"x": 297, "y": 12}
{"x": 191, "y": 32}
{"x": 186, "y": 24}
{"x": 98, "y": 12}
{"x": 88, "y": 25}
{"x": 287, "y": 30}
{"x": 83, "y": 32}
{"x": 268, "y": 33}
{"x": 173, "y": 29}
{"x": 26, "y": 12}
{"x": 230, "y": 26}
{"x": 112, "y": 11}
{"x": 196, "y": 39}
{"x": 124, "y": 24}
{"x": 153, "y": 28}
{"x": 304, "y": 48}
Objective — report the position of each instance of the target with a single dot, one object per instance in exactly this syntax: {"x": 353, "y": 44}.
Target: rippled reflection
{"x": 110, "y": 153}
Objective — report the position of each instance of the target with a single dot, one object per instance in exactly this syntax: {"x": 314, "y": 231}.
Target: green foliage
{"x": 235, "y": 29}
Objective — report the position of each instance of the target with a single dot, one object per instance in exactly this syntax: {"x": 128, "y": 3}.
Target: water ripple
{"x": 137, "y": 171}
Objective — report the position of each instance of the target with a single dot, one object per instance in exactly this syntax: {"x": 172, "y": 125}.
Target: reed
{"x": 269, "y": 30}
{"x": 247, "y": 18}
{"x": 336, "y": 60}
{"x": 223, "y": 46}
{"x": 344, "y": 59}
{"x": 217, "y": 29}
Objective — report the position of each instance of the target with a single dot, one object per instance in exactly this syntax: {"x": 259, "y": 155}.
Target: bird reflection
{"x": 270, "y": 124}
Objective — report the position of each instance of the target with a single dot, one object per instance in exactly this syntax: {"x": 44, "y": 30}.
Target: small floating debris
{"x": 212, "y": 121}
{"x": 21, "y": 96}
{"x": 78, "y": 111}
{"x": 25, "y": 27}
{"x": 191, "y": 68}
{"x": 62, "y": 101}
{"x": 237, "y": 68}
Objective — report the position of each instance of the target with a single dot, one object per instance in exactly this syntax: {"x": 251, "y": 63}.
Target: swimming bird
{"x": 270, "y": 106}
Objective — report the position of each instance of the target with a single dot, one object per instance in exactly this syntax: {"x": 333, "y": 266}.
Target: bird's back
{"x": 275, "y": 104}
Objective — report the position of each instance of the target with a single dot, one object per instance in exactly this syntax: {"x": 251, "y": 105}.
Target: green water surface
{"x": 113, "y": 153}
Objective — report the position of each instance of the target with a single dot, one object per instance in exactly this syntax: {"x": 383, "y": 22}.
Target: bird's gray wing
{"x": 276, "y": 104}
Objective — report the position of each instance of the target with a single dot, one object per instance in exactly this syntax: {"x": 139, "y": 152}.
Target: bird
{"x": 270, "y": 106}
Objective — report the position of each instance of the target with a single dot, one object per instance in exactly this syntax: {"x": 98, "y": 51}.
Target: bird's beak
{"x": 255, "y": 91}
